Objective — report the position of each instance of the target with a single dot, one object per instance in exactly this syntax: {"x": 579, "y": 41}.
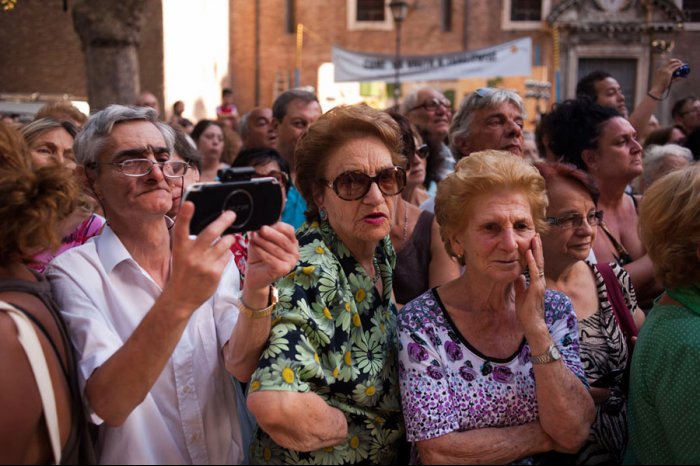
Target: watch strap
{"x": 260, "y": 313}
{"x": 547, "y": 357}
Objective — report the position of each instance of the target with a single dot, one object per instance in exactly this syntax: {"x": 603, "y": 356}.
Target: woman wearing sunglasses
{"x": 421, "y": 260}
{"x": 489, "y": 366}
{"x": 326, "y": 386}
{"x": 573, "y": 216}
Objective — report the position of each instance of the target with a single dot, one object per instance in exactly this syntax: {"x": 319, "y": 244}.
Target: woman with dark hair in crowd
{"x": 663, "y": 136}
{"x": 41, "y": 412}
{"x": 208, "y": 135}
{"x": 51, "y": 143}
{"x": 421, "y": 260}
{"x": 267, "y": 163}
{"x": 572, "y": 215}
{"x": 692, "y": 142}
{"x": 603, "y": 143}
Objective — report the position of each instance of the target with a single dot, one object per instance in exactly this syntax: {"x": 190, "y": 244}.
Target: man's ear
{"x": 87, "y": 177}
{"x": 275, "y": 124}
{"x": 462, "y": 147}
{"x": 590, "y": 158}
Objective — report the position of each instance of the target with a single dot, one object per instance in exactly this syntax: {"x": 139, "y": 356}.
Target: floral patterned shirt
{"x": 334, "y": 335}
{"x": 449, "y": 386}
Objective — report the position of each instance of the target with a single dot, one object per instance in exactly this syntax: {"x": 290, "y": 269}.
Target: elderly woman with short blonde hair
{"x": 489, "y": 366}
{"x": 663, "y": 412}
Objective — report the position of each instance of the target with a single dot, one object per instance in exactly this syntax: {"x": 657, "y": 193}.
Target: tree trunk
{"x": 110, "y": 33}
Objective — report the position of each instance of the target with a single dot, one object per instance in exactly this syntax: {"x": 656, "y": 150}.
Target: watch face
{"x": 554, "y": 352}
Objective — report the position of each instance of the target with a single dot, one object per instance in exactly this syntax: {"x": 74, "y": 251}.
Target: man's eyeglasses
{"x": 594, "y": 218}
{"x": 354, "y": 185}
{"x": 142, "y": 167}
{"x": 433, "y": 104}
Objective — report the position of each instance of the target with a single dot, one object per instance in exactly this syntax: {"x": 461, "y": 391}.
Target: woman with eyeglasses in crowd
{"x": 421, "y": 260}
{"x": 326, "y": 386}
{"x": 573, "y": 217}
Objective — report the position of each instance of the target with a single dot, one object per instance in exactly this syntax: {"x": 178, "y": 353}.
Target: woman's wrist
{"x": 538, "y": 338}
{"x": 256, "y": 299}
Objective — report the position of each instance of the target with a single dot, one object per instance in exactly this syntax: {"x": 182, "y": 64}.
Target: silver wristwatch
{"x": 551, "y": 355}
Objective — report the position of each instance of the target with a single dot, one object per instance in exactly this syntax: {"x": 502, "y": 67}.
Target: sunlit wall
{"x": 196, "y": 55}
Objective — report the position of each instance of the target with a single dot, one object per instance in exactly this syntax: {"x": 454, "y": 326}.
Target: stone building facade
{"x": 41, "y": 52}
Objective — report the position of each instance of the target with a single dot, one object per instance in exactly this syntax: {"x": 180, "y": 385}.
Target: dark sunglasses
{"x": 423, "y": 151}
{"x": 354, "y": 185}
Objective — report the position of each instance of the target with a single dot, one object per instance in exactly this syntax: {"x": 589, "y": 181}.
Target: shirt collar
{"x": 112, "y": 251}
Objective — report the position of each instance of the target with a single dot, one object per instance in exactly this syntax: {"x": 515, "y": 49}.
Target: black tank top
{"x": 411, "y": 276}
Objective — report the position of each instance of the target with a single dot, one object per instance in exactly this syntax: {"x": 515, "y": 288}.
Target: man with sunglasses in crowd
{"x": 158, "y": 321}
{"x": 431, "y": 112}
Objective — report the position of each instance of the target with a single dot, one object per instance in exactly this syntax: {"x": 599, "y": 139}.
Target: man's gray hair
{"x": 655, "y": 155}
{"x": 481, "y": 98}
{"x": 411, "y": 100}
{"x": 243, "y": 125}
{"x": 91, "y": 140}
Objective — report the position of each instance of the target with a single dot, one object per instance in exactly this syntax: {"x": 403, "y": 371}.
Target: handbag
{"x": 622, "y": 313}
{"x": 623, "y": 316}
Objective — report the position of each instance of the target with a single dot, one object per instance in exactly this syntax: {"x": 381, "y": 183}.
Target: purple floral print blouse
{"x": 447, "y": 385}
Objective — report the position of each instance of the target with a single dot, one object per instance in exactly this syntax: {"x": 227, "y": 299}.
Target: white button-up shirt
{"x": 190, "y": 414}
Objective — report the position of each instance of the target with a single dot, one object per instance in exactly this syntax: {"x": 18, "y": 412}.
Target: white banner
{"x": 509, "y": 59}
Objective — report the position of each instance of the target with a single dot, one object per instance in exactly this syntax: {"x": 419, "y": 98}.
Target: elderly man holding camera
{"x": 156, "y": 316}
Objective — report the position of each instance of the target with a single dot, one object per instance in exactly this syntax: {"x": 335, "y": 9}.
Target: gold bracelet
{"x": 260, "y": 313}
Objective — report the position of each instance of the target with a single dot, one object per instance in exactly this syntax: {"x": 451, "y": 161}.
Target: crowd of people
{"x": 440, "y": 286}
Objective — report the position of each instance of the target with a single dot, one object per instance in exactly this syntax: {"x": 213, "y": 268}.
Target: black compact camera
{"x": 256, "y": 201}
{"x": 682, "y": 72}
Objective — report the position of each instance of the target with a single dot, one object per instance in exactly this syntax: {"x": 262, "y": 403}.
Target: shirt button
{"x": 186, "y": 390}
{"x": 195, "y": 437}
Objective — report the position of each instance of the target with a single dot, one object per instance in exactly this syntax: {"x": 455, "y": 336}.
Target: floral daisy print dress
{"x": 333, "y": 334}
